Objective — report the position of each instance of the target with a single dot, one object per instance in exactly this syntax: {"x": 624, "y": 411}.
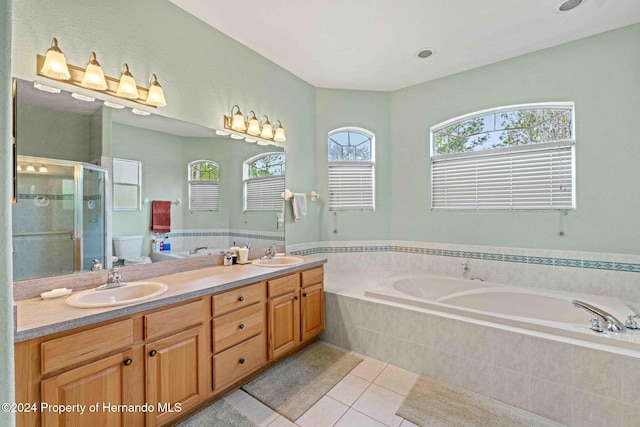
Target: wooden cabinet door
{"x": 312, "y": 308}
{"x": 176, "y": 374}
{"x": 104, "y": 382}
{"x": 284, "y": 324}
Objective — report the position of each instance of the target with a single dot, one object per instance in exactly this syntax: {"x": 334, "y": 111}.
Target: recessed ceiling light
{"x": 569, "y": 5}
{"x": 425, "y": 52}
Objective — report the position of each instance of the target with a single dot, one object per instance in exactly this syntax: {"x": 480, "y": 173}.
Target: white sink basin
{"x": 280, "y": 261}
{"x": 130, "y": 293}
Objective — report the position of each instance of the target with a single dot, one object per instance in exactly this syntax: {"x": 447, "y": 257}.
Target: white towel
{"x": 299, "y": 203}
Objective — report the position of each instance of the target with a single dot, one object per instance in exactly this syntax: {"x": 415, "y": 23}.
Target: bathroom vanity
{"x": 156, "y": 362}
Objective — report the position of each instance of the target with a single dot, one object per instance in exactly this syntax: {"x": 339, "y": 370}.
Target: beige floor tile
{"x": 397, "y": 379}
{"x": 380, "y": 404}
{"x": 281, "y": 422}
{"x": 354, "y": 418}
{"x": 368, "y": 369}
{"x": 406, "y": 423}
{"x": 236, "y": 396}
{"x": 326, "y": 412}
{"x": 349, "y": 389}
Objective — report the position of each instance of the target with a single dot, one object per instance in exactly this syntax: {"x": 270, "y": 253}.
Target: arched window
{"x": 264, "y": 182}
{"x": 203, "y": 177}
{"x": 508, "y": 158}
{"x": 351, "y": 170}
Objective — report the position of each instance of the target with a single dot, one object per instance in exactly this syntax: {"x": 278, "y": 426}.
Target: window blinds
{"x": 524, "y": 177}
{"x": 351, "y": 187}
{"x": 203, "y": 196}
{"x": 264, "y": 194}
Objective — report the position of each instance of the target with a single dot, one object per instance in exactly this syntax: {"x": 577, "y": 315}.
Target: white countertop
{"x": 37, "y": 317}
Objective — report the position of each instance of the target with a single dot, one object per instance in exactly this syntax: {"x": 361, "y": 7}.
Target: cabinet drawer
{"x": 312, "y": 277}
{"x": 283, "y": 285}
{"x": 237, "y": 298}
{"x": 72, "y": 349}
{"x": 173, "y": 319}
{"x": 233, "y": 328}
{"x": 236, "y": 362}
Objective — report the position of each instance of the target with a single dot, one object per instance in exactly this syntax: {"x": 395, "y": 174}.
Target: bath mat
{"x": 294, "y": 385}
{"x": 431, "y": 403}
{"x": 219, "y": 414}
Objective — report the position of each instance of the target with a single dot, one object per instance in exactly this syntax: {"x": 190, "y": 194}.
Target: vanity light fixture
{"x": 279, "y": 135}
{"x": 267, "y": 130}
{"x": 43, "y": 169}
{"x": 140, "y": 112}
{"x": 55, "y": 64}
{"x": 94, "y": 76}
{"x": 30, "y": 168}
{"x": 19, "y": 168}
{"x": 252, "y": 130}
{"x": 254, "y": 124}
{"x": 156, "y": 94}
{"x": 127, "y": 88}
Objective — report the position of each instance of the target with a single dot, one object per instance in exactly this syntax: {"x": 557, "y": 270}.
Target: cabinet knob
{"x": 241, "y": 326}
{"x": 128, "y": 362}
{"x": 296, "y": 298}
{"x": 240, "y": 298}
{"x": 304, "y": 294}
{"x": 241, "y": 361}
{"x": 152, "y": 353}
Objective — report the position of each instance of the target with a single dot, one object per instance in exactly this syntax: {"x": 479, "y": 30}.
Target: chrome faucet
{"x": 602, "y": 318}
{"x": 195, "y": 251}
{"x": 465, "y": 268}
{"x": 114, "y": 280}
{"x": 270, "y": 252}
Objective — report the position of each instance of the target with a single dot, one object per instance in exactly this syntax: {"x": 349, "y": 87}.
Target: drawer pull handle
{"x": 241, "y": 298}
{"x": 128, "y": 362}
{"x": 152, "y": 353}
{"x": 241, "y": 326}
{"x": 241, "y": 360}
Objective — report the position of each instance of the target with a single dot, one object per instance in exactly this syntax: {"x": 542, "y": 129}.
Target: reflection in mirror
{"x": 59, "y": 127}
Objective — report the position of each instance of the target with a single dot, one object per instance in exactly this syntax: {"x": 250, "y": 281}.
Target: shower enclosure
{"x": 61, "y": 218}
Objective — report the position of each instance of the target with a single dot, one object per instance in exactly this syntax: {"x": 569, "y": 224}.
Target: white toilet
{"x": 129, "y": 248}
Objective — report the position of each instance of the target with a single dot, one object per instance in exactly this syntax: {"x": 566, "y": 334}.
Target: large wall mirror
{"x": 64, "y": 217}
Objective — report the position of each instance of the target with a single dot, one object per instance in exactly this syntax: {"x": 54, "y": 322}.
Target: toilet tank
{"x": 127, "y": 246}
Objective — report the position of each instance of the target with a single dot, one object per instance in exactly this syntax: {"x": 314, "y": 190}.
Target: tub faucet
{"x": 465, "y": 268}
{"x": 114, "y": 280}
{"x": 612, "y": 324}
{"x": 195, "y": 251}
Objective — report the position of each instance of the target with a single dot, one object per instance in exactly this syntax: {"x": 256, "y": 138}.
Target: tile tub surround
{"x": 615, "y": 275}
{"x": 564, "y": 381}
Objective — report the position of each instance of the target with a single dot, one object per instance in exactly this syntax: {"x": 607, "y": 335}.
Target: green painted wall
{"x": 7, "y": 418}
{"x": 203, "y": 72}
{"x": 600, "y": 74}
{"x": 364, "y": 109}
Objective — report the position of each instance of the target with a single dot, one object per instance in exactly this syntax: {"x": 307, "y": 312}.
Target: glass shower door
{"x": 91, "y": 218}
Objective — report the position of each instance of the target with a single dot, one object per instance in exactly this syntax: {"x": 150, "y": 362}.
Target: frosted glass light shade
{"x": 237, "y": 120}
{"x": 267, "y": 130}
{"x": 127, "y": 87}
{"x": 156, "y": 94}
{"x": 254, "y": 125}
{"x": 279, "y": 135}
{"x": 55, "y": 64}
{"x": 93, "y": 75}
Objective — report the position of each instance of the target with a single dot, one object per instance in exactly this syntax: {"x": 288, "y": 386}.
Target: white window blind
{"x": 351, "y": 186}
{"x": 264, "y": 194}
{"x": 526, "y": 177}
{"x": 203, "y": 195}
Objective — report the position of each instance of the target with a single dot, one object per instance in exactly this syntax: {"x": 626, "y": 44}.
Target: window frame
{"x": 569, "y": 144}
{"x": 209, "y": 182}
{"x": 361, "y": 164}
{"x": 246, "y": 181}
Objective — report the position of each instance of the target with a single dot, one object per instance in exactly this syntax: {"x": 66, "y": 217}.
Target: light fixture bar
{"x": 77, "y": 74}
{"x": 235, "y": 134}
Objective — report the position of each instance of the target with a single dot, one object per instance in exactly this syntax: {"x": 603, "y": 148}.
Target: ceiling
{"x": 372, "y": 44}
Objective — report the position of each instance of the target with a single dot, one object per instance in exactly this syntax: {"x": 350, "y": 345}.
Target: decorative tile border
{"x": 223, "y": 234}
{"x": 523, "y": 259}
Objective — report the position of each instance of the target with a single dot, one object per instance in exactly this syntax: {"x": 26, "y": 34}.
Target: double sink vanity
{"x": 157, "y": 361}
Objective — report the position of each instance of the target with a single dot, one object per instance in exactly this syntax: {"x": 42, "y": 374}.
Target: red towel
{"x": 161, "y": 216}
